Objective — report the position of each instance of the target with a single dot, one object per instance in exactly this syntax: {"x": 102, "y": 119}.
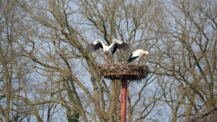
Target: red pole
{"x": 123, "y": 100}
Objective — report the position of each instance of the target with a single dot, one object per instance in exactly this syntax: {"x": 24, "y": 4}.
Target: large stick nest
{"x": 123, "y": 71}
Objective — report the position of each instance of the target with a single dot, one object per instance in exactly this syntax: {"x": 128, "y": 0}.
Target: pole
{"x": 123, "y": 100}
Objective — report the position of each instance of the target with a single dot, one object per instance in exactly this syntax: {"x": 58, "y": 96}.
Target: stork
{"x": 136, "y": 55}
{"x": 116, "y": 44}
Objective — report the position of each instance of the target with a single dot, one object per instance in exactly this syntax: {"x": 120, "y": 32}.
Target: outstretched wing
{"x": 120, "y": 45}
{"x": 94, "y": 46}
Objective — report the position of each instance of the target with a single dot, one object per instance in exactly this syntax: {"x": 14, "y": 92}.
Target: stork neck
{"x": 112, "y": 44}
{"x": 103, "y": 44}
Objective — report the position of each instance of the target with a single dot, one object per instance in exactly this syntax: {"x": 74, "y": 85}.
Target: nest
{"x": 123, "y": 71}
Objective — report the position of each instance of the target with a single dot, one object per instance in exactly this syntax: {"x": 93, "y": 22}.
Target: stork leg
{"x": 107, "y": 58}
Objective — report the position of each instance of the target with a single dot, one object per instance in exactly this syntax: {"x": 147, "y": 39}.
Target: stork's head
{"x": 144, "y": 53}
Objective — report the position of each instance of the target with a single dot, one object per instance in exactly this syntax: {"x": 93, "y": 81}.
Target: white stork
{"x": 136, "y": 55}
{"x": 116, "y": 44}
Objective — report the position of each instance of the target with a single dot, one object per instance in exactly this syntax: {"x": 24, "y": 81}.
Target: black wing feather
{"x": 114, "y": 49}
{"x": 130, "y": 59}
{"x": 123, "y": 46}
{"x": 91, "y": 47}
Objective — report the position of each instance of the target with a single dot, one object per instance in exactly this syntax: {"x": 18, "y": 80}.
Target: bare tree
{"x": 14, "y": 71}
{"x": 187, "y": 56}
{"x": 50, "y": 38}
{"x": 59, "y": 53}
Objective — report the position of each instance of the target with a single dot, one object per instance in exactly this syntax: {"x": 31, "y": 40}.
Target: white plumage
{"x": 116, "y": 44}
{"x": 136, "y": 55}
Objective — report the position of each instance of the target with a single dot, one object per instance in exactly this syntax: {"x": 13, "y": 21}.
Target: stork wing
{"x": 123, "y": 46}
{"x": 94, "y": 46}
{"x": 132, "y": 58}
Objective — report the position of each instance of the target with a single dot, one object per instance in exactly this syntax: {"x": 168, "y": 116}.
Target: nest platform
{"x": 123, "y": 71}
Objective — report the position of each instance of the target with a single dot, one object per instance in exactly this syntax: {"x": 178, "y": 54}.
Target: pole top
{"x": 123, "y": 71}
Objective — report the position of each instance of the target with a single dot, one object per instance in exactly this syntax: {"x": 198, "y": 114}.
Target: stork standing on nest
{"x": 136, "y": 55}
{"x": 116, "y": 44}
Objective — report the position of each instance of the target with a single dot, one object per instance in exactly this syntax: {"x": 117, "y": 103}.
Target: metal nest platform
{"x": 123, "y": 71}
